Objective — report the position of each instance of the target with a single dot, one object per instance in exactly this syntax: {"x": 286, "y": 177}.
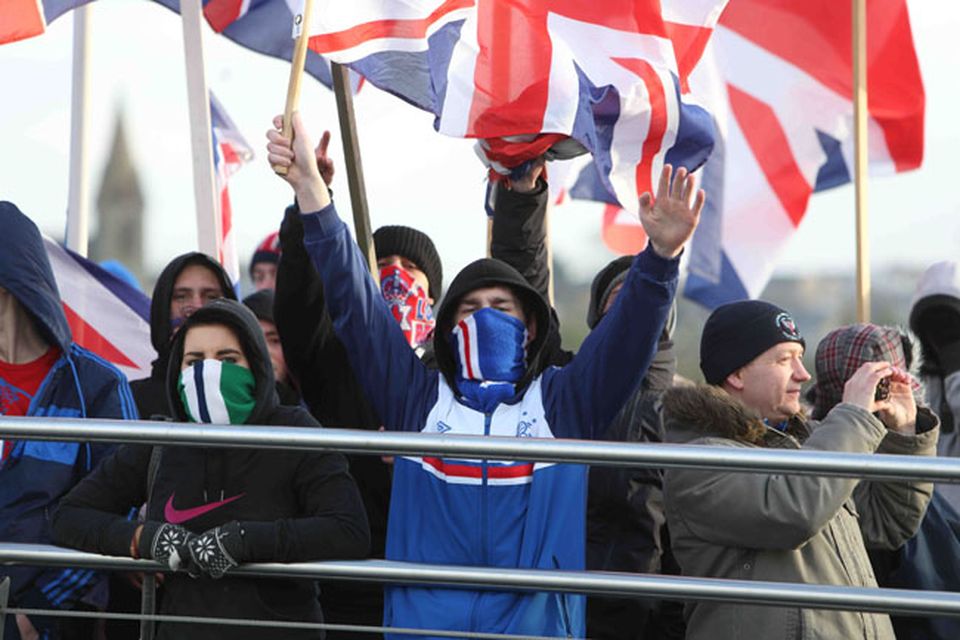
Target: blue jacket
{"x": 485, "y": 512}
{"x": 79, "y": 385}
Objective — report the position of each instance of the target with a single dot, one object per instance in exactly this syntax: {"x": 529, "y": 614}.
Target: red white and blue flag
{"x": 106, "y": 314}
{"x": 230, "y": 152}
{"x": 525, "y": 75}
{"x": 21, "y": 19}
{"x": 265, "y": 26}
{"x": 778, "y": 74}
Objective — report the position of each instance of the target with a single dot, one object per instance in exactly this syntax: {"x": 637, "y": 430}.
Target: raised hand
{"x": 901, "y": 414}
{"x": 299, "y": 158}
{"x": 671, "y": 218}
{"x": 324, "y": 162}
{"x": 861, "y": 388}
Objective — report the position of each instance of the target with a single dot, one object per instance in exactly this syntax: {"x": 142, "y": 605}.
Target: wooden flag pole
{"x": 201, "y": 137}
{"x": 78, "y": 207}
{"x": 861, "y": 159}
{"x": 301, "y": 27}
{"x": 351, "y": 154}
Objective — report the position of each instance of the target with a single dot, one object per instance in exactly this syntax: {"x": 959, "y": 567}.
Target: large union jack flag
{"x": 779, "y": 77}
{"x": 230, "y": 152}
{"x": 106, "y": 314}
{"x": 528, "y": 74}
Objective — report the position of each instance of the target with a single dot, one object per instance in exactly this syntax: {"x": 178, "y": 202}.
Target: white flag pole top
{"x": 204, "y": 191}
{"x": 78, "y": 206}
{"x": 860, "y": 162}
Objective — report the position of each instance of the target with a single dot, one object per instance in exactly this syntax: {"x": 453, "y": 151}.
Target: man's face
{"x": 770, "y": 384}
{"x": 499, "y": 298}
{"x": 409, "y": 266}
{"x": 264, "y": 275}
{"x": 195, "y": 286}
{"x": 276, "y": 351}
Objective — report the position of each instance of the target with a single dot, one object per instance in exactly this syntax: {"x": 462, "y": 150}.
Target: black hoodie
{"x": 149, "y": 392}
{"x": 294, "y": 505}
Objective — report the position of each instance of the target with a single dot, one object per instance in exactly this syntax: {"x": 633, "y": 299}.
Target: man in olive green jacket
{"x": 787, "y": 528}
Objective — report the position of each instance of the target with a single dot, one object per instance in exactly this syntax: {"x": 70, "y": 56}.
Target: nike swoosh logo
{"x": 179, "y": 516}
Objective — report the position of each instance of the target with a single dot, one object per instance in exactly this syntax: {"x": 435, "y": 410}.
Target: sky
{"x": 414, "y": 175}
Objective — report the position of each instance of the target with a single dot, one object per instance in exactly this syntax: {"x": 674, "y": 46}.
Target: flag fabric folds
{"x": 106, "y": 314}
{"x": 265, "y": 26}
{"x": 779, "y": 81}
{"x": 21, "y": 19}
{"x": 230, "y": 152}
{"x": 526, "y": 75}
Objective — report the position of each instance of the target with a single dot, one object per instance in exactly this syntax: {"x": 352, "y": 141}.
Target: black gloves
{"x": 216, "y": 551}
{"x": 211, "y": 554}
{"x": 167, "y": 545}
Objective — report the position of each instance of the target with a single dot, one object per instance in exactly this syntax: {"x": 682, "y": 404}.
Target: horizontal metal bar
{"x": 618, "y": 454}
{"x": 275, "y": 624}
{"x": 812, "y": 596}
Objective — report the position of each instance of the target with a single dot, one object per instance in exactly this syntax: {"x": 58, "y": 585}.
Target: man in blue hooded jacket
{"x": 492, "y": 380}
{"x": 44, "y": 373}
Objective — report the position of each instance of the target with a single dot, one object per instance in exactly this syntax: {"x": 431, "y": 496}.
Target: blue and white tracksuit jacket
{"x": 486, "y": 512}
{"x": 37, "y": 474}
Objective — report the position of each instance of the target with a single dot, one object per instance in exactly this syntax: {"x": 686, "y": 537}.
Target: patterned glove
{"x": 169, "y": 545}
{"x": 216, "y": 551}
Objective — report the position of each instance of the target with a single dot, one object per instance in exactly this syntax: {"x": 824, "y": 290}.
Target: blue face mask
{"x": 489, "y": 347}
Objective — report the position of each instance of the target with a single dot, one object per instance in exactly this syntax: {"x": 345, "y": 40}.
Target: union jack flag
{"x": 263, "y": 26}
{"x": 230, "y": 152}
{"x": 529, "y": 74}
{"x": 106, "y": 314}
{"x": 778, "y": 76}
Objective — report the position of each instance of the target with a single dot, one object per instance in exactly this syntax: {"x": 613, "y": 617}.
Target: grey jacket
{"x": 786, "y": 528}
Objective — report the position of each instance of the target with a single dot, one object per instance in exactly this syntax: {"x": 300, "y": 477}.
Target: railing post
{"x": 4, "y": 596}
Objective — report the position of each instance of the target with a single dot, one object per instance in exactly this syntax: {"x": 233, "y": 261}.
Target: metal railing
{"x": 493, "y": 578}
{"x": 594, "y": 452}
{"x": 619, "y": 454}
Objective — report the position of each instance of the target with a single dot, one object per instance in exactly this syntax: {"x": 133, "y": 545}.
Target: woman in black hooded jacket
{"x": 209, "y": 509}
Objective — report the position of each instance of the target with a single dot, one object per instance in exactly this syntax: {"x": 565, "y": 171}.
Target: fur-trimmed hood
{"x": 704, "y": 411}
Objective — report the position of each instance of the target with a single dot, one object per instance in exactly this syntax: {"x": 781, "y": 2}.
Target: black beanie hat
{"x": 736, "y": 333}
{"x": 261, "y": 303}
{"x": 602, "y": 286}
{"x": 415, "y": 245}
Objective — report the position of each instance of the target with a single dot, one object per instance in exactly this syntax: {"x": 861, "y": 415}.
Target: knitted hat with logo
{"x": 738, "y": 332}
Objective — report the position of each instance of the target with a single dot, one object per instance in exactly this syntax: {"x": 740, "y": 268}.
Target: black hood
{"x": 26, "y": 273}
{"x": 160, "y": 330}
{"x": 482, "y": 273}
{"x": 600, "y": 288}
{"x": 239, "y": 318}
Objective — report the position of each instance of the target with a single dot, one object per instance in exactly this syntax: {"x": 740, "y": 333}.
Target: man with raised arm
{"x": 491, "y": 381}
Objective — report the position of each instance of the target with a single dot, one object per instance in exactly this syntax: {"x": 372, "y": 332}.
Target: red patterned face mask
{"x": 408, "y": 303}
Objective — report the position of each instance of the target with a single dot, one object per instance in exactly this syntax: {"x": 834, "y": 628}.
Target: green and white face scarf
{"x": 217, "y": 392}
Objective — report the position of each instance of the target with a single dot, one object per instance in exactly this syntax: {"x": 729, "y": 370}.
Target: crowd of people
{"x": 321, "y": 343}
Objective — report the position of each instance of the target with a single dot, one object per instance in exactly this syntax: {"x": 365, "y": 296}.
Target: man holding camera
{"x": 787, "y": 528}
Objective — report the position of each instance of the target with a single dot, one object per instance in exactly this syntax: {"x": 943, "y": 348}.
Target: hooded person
{"x": 210, "y": 509}
{"x": 187, "y": 283}
{"x": 44, "y": 373}
{"x": 787, "y": 527}
{"x": 411, "y": 277}
{"x": 492, "y": 380}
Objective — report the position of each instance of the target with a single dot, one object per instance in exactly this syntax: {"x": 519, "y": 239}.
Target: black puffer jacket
{"x": 150, "y": 393}
{"x": 294, "y": 505}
